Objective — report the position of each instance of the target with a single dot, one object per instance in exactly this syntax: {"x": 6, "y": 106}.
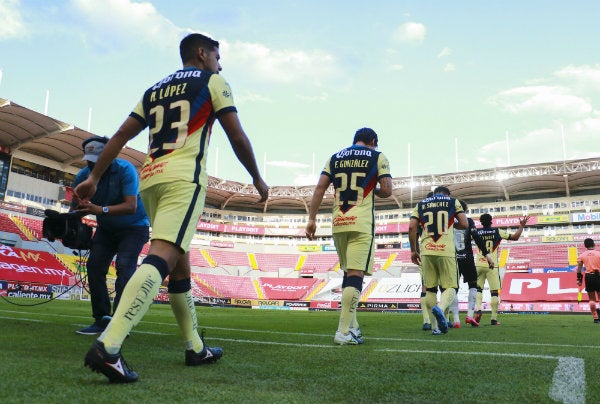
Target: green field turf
{"x": 289, "y": 357}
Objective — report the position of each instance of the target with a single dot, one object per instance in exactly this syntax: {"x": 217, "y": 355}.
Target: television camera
{"x": 67, "y": 227}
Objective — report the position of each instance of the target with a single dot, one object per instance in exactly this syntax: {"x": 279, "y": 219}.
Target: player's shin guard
{"x": 472, "y": 301}
{"x": 454, "y": 309}
{"x": 137, "y": 297}
{"x": 350, "y": 297}
{"x": 593, "y": 309}
{"x": 430, "y": 302}
{"x": 182, "y": 304}
{"x": 424, "y": 308}
{"x": 479, "y": 299}
{"x": 494, "y": 305}
{"x": 447, "y": 298}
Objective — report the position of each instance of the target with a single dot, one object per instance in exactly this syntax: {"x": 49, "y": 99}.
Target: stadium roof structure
{"x": 35, "y": 137}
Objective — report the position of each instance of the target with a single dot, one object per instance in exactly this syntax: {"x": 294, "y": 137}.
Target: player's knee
{"x": 355, "y": 282}
{"x": 159, "y": 263}
{"x": 479, "y": 290}
{"x": 180, "y": 286}
{"x": 472, "y": 285}
{"x": 432, "y": 290}
{"x": 494, "y": 293}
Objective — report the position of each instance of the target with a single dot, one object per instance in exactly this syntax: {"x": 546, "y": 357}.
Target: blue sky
{"x": 446, "y": 84}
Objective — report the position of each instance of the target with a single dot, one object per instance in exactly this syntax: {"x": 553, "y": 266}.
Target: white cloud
{"x": 279, "y": 66}
{"x": 584, "y": 75}
{"x": 542, "y": 99}
{"x": 251, "y": 97}
{"x": 309, "y": 179}
{"x": 11, "y": 20}
{"x": 118, "y": 23}
{"x": 314, "y": 98}
{"x": 287, "y": 164}
{"x": 445, "y": 52}
{"x": 410, "y": 32}
{"x": 449, "y": 67}
{"x": 396, "y": 67}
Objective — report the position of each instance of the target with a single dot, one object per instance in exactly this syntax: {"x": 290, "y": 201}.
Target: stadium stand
{"x": 8, "y": 225}
{"x": 239, "y": 245}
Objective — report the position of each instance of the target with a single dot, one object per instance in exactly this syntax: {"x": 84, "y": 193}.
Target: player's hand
{"x": 262, "y": 188}
{"x": 415, "y": 257}
{"x": 311, "y": 227}
{"x": 85, "y": 190}
{"x": 524, "y": 220}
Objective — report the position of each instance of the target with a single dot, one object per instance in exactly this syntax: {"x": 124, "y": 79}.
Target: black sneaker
{"x": 495, "y": 322}
{"x": 206, "y": 356}
{"x": 112, "y": 366}
{"x": 97, "y": 327}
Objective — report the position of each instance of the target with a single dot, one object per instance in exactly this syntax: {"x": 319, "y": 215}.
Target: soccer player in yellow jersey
{"x": 437, "y": 216}
{"x": 492, "y": 237}
{"x": 355, "y": 173}
{"x": 179, "y": 112}
{"x": 590, "y": 259}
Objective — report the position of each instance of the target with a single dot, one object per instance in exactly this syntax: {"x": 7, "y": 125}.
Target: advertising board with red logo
{"x": 21, "y": 265}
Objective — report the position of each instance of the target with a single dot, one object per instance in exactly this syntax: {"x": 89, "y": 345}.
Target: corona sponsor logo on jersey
{"x": 353, "y": 152}
{"x": 181, "y": 74}
{"x": 435, "y": 247}
{"x": 344, "y": 220}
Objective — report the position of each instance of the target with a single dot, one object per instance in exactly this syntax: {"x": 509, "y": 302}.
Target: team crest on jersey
{"x": 226, "y": 93}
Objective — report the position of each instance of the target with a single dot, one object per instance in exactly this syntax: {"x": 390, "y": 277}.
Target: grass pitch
{"x": 289, "y": 357}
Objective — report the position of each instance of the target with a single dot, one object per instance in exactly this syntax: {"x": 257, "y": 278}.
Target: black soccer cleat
{"x": 206, "y": 356}
{"x": 112, "y": 366}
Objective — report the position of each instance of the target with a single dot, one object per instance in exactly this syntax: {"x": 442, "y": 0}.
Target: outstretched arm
{"x": 413, "y": 238}
{"x": 315, "y": 202}
{"x": 516, "y": 235}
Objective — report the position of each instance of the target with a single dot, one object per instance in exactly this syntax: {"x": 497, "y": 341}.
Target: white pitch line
{"x": 568, "y": 382}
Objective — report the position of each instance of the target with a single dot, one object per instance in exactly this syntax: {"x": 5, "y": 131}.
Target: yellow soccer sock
{"x": 354, "y": 321}
{"x": 184, "y": 310}
{"x": 479, "y": 301}
{"x": 446, "y": 299}
{"x": 350, "y": 298}
{"x": 494, "y": 305}
{"x": 430, "y": 302}
{"x": 137, "y": 297}
{"x": 424, "y": 310}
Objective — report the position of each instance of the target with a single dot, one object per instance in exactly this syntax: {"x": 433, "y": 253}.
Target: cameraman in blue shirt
{"x": 123, "y": 229}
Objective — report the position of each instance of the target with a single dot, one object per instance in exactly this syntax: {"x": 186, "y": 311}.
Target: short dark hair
{"x": 441, "y": 190}
{"x": 588, "y": 243}
{"x": 486, "y": 220}
{"x": 365, "y": 135}
{"x": 189, "y": 45}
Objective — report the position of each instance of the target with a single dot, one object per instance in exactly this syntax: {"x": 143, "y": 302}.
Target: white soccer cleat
{"x": 348, "y": 339}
